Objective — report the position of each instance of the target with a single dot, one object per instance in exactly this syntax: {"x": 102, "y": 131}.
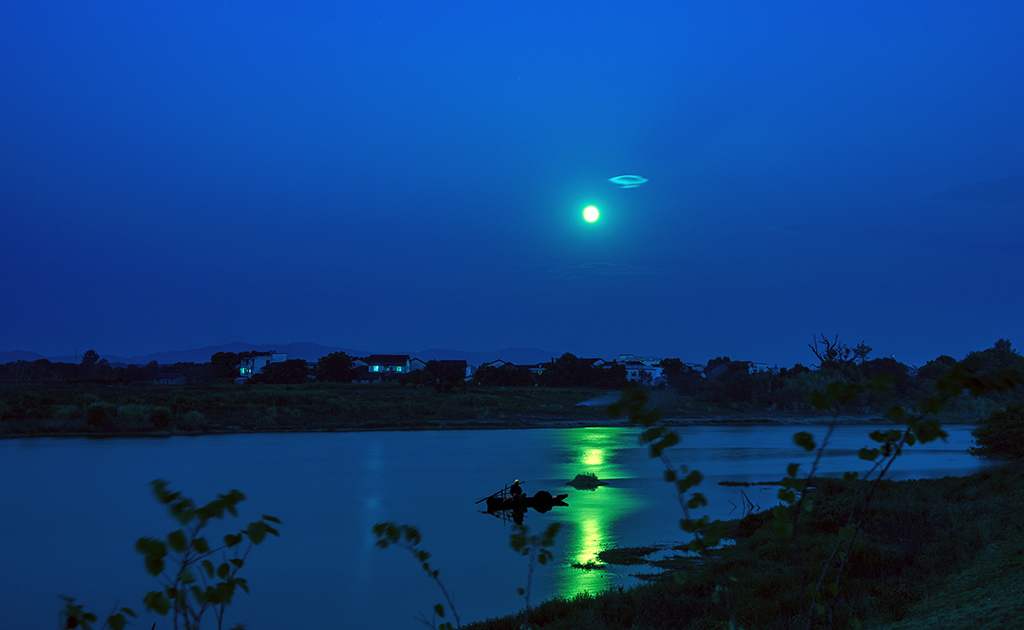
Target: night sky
{"x": 396, "y": 176}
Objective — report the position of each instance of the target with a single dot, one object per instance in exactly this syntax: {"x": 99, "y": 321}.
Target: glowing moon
{"x": 590, "y": 213}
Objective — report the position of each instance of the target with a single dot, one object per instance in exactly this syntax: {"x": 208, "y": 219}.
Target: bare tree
{"x": 838, "y": 353}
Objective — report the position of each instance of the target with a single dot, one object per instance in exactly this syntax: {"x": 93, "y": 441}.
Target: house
{"x": 388, "y": 364}
{"x": 455, "y": 366}
{"x": 254, "y": 362}
{"x": 170, "y": 378}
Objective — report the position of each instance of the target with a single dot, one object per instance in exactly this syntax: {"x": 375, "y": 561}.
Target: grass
{"x": 933, "y": 553}
{"x": 82, "y": 408}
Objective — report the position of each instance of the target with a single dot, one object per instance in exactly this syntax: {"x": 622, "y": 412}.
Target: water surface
{"x": 72, "y": 509}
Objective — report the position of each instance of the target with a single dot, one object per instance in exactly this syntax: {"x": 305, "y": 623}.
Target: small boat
{"x": 542, "y": 501}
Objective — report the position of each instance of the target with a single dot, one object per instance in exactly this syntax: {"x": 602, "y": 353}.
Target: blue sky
{"x": 396, "y": 176}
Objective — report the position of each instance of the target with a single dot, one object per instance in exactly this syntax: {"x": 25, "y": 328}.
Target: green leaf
{"x": 804, "y": 440}
{"x": 257, "y": 531}
{"x": 869, "y": 454}
{"x": 847, "y": 532}
{"x": 792, "y": 469}
{"x": 696, "y": 501}
{"x": 223, "y": 570}
{"x": 521, "y": 591}
{"x": 272, "y": 519}
{"x": 176, "y": 541}
{"x": 439, "y": 610}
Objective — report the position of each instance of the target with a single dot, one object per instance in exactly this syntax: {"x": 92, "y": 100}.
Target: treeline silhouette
{"x": 720, "y": 382}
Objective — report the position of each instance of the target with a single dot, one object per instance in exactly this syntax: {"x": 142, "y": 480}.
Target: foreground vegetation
{"x": 933, "y": 553}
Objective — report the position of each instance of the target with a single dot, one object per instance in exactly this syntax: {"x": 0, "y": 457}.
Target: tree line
{"x": 721, "y": 381}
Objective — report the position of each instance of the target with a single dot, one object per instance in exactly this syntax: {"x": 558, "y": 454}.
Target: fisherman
{"x": 515, "y": 490}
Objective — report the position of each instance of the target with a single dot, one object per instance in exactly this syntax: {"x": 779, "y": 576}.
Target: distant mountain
{"x": 20, "y": 355}
{"x": 295, "y": 350}
{"x": 299, "y": 350}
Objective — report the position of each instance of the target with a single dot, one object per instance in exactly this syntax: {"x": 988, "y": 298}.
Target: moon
{"x": 590, "y": 213}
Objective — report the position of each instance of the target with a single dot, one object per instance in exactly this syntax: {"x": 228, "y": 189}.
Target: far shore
{"x": 80, "y": 410}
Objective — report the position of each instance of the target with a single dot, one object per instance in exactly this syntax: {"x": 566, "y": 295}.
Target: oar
{"x": 495, "y": 494}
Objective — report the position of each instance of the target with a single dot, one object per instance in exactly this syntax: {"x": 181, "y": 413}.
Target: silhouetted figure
{"x": 515, "y": 490}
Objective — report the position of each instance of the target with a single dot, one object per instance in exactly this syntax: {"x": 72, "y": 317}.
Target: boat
{"x": 542, "y": 501}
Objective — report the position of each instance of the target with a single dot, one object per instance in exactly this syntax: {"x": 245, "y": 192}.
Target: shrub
{"x": 160, "y": 417}
{"x": 64, "y": 412}
{"x": 192, "y": 421}
{"x": 132, "y": 416}
{"x": 1002, "y": 434}
{"x": 101, "y": 415}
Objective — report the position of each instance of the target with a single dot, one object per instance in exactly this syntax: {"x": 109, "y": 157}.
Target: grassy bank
{"x": 933, "y": 553}
{"x": 60, "y": 408}
{"x": 74, "y": 408}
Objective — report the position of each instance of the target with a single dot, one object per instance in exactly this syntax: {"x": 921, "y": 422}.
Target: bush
{"x": 101, "y": 415}
{"x": 160, "y": 417}
{"x": 64, "y": 412}
{"x": 192, "y": 421}
{"x": 1002, "y": 434}
{"x": 132, "y": 416}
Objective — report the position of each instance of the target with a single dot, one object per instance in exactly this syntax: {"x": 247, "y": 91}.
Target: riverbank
{"x": 931, "y": 553}
{"x": 66, "y": 409}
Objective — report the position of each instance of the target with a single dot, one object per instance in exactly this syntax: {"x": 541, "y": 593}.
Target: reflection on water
{"x": 589, "y": 526}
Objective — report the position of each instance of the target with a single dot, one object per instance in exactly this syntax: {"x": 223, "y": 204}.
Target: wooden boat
{"x": 542, "y": 501}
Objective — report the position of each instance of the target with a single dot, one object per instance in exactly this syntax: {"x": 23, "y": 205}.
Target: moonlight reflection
{"x": 627, "y": 181}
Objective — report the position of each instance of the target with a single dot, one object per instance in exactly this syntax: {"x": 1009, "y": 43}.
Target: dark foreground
{"x": 942, "y": 553}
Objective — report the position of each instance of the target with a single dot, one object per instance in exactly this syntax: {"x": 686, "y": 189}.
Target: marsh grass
{"x": 933, "y": 553}
{"x": 48, "y": 408}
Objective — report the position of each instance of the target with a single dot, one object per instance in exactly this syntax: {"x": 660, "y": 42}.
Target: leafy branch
{"x": 184, "y": 561}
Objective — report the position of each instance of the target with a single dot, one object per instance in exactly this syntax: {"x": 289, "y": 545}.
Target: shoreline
{"x": 517, "y": 422}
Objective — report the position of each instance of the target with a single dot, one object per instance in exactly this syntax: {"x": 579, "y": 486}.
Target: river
{"x": 73, "y": 508}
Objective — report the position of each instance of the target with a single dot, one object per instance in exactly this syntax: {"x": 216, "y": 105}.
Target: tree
{"x": 335, "y": 367}
{"x": 89, "y": 360}
{"x": 292, "y": 371}
{"x": 224, "y": 365}
{"x": 1001, "y": 435}
{"x": 935, "y": 368}
{"x": 681, "y": 377}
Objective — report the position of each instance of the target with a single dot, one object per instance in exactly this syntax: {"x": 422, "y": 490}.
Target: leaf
{"x": 696, "y": 501}
{"x": 439, "y": 610}
{"x": 804, "y": 440}
{"x": 257, "y": 531}
{"x": 521, "y": 591}
{"x": 176, "y": 541}
{"x": 792, "y": 469}
{"x": 847, "y": 532}
{"x": 869, "y": 454}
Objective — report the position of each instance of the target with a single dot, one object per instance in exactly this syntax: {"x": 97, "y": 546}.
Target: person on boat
{"x": 516, "y": 491}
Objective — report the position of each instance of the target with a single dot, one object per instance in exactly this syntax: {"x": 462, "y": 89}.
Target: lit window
{"x": 376, "y": 368}
{"x": 398, "y": 369}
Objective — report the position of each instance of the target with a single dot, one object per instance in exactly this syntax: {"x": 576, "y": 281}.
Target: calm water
{"x": 72, "y": 509}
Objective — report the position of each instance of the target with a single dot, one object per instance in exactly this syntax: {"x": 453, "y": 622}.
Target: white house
{"x": 388, "y": 363}
{"x": 256, "y": 361}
